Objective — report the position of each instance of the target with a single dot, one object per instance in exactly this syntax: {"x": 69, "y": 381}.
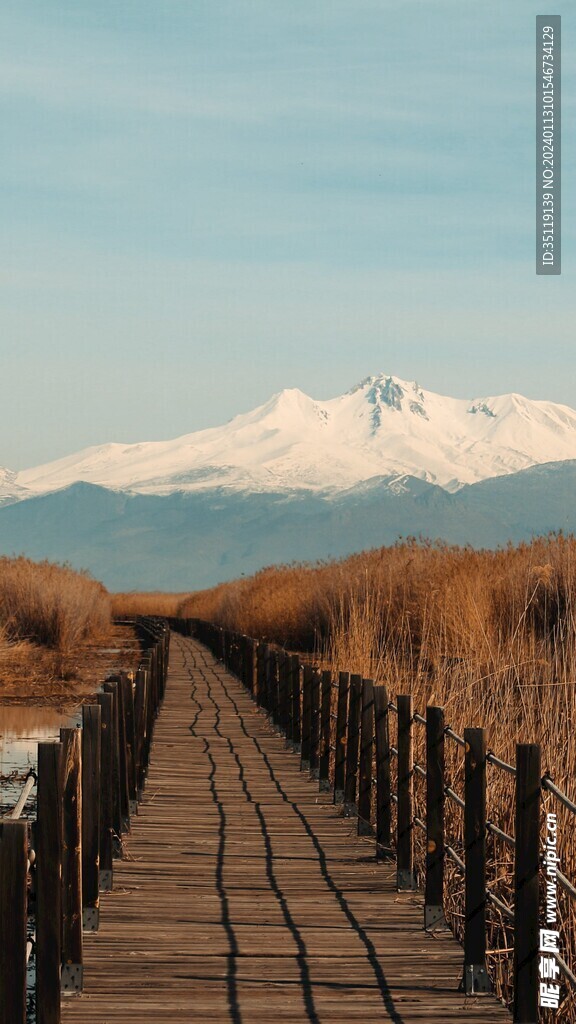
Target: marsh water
{"x": 21, "y": 729}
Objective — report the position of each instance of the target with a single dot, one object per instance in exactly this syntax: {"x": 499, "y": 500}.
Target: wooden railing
{"x": 342, "y": 728}
{"x": 54, "y": 868}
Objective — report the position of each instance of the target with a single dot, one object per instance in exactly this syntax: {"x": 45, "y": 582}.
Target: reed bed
{"x": 51, "y": 605}
{"x": 128, "y": 605}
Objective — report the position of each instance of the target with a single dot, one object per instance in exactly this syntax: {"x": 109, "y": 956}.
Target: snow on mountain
{"x": 383, "y": 427}
{"x": 9, "y": 490}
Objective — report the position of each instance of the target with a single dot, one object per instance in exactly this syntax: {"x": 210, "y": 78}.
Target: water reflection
{"x": 21, "y": 729}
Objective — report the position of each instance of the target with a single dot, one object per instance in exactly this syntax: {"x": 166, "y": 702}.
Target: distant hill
{"x": 182, "y": 540}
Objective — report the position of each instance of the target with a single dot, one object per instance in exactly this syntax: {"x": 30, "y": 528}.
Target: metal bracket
{"x": 105, "y": 881}
{"x": 324, "y": 785}
{"x": 475, "y": 980}
{"x": 338, "y": 796}
{"x": 315, "y": 773}
{"x": 350, "y": 810}
{"x": 296, "y": 747}
{"x": 405, "y": 880}
{"x": 133, "y": 807}
{"x": 365, "y": 828}
{"x": 71, "y": 979}
{"x": 434, "y": 919}
{"x": 305, "y": 766}
{"x": 90, "y": 919}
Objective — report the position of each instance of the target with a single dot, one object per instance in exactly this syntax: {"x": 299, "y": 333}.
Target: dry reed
{"x": 128, "y": 605}
{"x": 50, "y": 605}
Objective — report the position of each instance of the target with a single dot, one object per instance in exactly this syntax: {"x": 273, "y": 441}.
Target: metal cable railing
{"x": 495, "y": 831}
{"x": 548, "y": 784}
{"x": 454, "y": 736}
{"x": 498, "y": 763}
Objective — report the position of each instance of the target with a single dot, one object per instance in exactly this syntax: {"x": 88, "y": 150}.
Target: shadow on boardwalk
{"x": 246, "y": 898}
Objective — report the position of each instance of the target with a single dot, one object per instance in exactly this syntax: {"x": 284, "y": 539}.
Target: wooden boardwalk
{"x": 246, "y": 898}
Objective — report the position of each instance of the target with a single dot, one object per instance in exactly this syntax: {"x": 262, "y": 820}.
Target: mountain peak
{"x": 388, "y": 389}
{"x": 384, "y": 427}
{"x": 7, "y": 476}
{"x": 384, "y": 391}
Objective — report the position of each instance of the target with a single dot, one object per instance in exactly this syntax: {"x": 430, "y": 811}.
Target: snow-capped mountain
{"x": 383, "y": 427}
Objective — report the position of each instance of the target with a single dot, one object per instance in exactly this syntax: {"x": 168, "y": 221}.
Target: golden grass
{"x": 34, "y": 675}
{"x": 127, "y": 605}
{"x": 290, "y": 605}
{"x": 489, "y": 635}
{"x": 50, "y": 604}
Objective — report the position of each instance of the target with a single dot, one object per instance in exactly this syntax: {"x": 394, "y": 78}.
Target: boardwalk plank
{"x": 244, "y": 897}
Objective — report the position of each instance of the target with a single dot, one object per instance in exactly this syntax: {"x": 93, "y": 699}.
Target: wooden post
{"x": 252, "y": 674}
{"x": 353, "y": 746}
{"x": 233, "y": 665}
{"x": 296, "y": 705}
{"x": 112, "y": 689}
{"x": 475, "y": 978}
{"x": 48, "y": 883}
{"x": 140, "y": 728}
{"x": 240, "y": 640}
{"x": 526, "y": 883}
{"x": 248, "y": 663}
{"x": 91, "y": 746}
{"x": 71, "y": 978}
{"x": 268, "y": 680}
{"x": 314, "y": 724}
{"x": 325, "y": 732}
{"x": 435, "y": 797}
{"x": 273, "y": 666}
{"x": 341, "y": 736}
{"x": 274, "y": 704}
{"x": 153, "y": 654}
{"x": 262, "y": 676}
{"x": 405, "y": 876}
{"x": 105, "y": 874}
{"x": 242, "y": 658}
{"x": 13, "y": 920}
{"x": 366, "y": 759}
{"x": 306, "y": 717}
{"x": 383, "y": 780}
{"x": 282, "y": 693}
{"x": 259, "y": 685}
{"x": 123, "y": 743}
{"x": 289, "y": 676}
{"x": 266, "y": 693}
{"x": 130, "y": 729}
{"x": 247, "y": 673}
{"x": 286, "y": 697}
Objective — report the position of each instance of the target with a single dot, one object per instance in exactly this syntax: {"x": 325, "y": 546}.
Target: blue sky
{"x": 204, "y": 201}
